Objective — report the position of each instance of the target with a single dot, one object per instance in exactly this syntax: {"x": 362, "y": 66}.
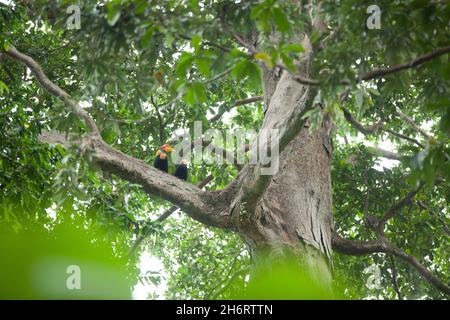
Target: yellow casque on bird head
{"x": 166, "y": 148}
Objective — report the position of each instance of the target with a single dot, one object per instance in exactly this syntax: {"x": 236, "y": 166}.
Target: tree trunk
{"x": 294, "y": 214}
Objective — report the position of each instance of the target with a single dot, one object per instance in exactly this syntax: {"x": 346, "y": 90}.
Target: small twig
{"x": 206, "y": 42}
{"x": 413, "y": 125}
{"x": 394, "y": 278}
{"x": 444, "y": 225}
{"x": 393, "y": 210}
{"x": 358, "y": 126}
{"x": 375, "y": 128}
{"x": 218, "y": 76}
{"x": 236, "y": 104}
{"x": 160, "y": 120}
{"x": 405, "y": 137}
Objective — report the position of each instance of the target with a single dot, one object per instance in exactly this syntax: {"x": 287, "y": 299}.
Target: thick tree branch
{"x": 172, "y": 209}
{"x": 397, "y": 207}
{"x": 382, "y": 244}
{"x": 202, "y": 206}
{"x": 377, "y": 73}
{"x": 358, "y": 248}
{"x": 382, "y": 72}
{"x": 384, "y": 153}
{"x": 427, "y": 274}
{"x": 407, "y": 65}
{"x": 253, "y": 181}
{"x": 52, "y": 88}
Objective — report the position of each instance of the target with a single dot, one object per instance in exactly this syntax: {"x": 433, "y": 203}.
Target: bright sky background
{"x": 149, "y": 263}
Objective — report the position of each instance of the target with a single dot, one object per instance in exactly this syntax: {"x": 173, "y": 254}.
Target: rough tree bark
{"x": 290, "y": 213}
{"x": 294, "y": 214}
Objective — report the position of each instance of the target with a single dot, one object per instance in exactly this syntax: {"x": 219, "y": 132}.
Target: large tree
{"x": 135, "y": 72}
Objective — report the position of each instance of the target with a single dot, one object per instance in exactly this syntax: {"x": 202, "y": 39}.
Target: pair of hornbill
{"x": 162, "y": 163}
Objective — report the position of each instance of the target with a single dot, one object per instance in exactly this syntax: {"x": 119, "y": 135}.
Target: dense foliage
{"x": 146, "y": 69}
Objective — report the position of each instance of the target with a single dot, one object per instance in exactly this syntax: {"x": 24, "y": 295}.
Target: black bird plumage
{"x": 161, "y": 161}
{"x": 161, "y": 164}
{"x": 181, "y": 171}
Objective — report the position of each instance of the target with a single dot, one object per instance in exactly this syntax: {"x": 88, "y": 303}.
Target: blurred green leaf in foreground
{"x": 63, "y": 265}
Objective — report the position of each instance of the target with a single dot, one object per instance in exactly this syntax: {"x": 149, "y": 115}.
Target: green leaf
{"x": 168, "y": 40}
{"x": 246, "y": 68}
{"x": 184, "y": 63}
{"x": 195, "y": 94}
{"x": 196, "y": 40}
{"x": 288, "y": 62}
{"x": 238, "y": 71}
{"x": 113, "y": 15}
{"x": 254, "y": 75}
{"x": 280, "y": 20}
{"x": 309, "y": 113}
{"x": 262, "y": 17}
{"x": 373, "y": 91}
{"x": 204, "y": 66}
{"x": 147, "y": 37}
{"x": 3, "y": 88}
{"x": 267, "y": 59}
{"x": 294, "y": 47}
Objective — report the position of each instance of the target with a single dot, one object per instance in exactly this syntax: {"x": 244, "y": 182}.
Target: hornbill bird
{"x": 161, "y": 161}
{"x": 181, "y": 170}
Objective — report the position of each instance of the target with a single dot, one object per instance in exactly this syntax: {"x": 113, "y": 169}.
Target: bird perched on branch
{"x": 161, "y": 161}
{"x": 181, "y": 170}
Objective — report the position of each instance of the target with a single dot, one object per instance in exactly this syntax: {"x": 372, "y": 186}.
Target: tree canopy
{"x": 139, "y": 72}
